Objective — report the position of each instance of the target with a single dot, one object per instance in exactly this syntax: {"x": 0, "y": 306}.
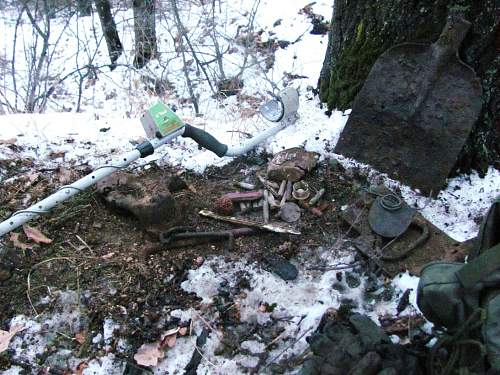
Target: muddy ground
{"x": 106, "y": 257}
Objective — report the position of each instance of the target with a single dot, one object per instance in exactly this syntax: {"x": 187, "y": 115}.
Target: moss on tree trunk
{"x": 363, "y": 29}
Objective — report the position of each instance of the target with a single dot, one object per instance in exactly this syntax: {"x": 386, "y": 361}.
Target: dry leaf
{"x": 108, "y": 255}
{"x": 59, "y": 154}
{"x": 183, "y": 331}
{"x": 9, "y": 141}
{"x": 171, "y": 332}
{"x": 35, "y": 235}
{"x": 14, "y": 237}
{"x": 148, "y": 355}
{"x": 81, "y": 367}
{"x": 32, "y": 176}
{"x": 169, "y": 341}
{"x": 169, "y": 338}
{"x": 65, "y": 175}
{"x": 6, "y": 336}
{"x": 80, "y": 337}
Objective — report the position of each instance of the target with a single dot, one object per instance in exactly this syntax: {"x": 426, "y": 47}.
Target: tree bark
{"x": 108, "y": 25}
{"x": 145, "y": 32}
{"x": 84, "y": 7}
{"x": 362, "y": 30}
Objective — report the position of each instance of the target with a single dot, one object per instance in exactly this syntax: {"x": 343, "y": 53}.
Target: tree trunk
{"x": 51, "y": 6}
{"x": 108, "y": 25}
{"x": 84, "y": 7}
{"x": 363, "y": 29}
{"x": 145, "y": 32}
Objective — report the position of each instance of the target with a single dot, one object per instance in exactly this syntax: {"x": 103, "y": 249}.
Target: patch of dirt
{"x": 100, "y": 253}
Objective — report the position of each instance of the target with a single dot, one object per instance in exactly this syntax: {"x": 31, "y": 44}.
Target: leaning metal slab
{"x": 417, "y": 146}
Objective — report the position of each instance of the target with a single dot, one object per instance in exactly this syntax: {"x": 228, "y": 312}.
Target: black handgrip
{"x": 205, "y": 140}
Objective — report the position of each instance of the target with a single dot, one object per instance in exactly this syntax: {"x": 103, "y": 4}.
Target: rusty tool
{"x": 271, "y": 226}
{"x": 415, "y": 111}
{"x": 185, "y": 236}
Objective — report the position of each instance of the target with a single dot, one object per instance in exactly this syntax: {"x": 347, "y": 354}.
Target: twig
{"x": 183, "y": 32}
{"x": 334, "y": 267}
{"x": 84, "y": 243}
{"x": 204, "y": 321}
{"x": 65, "y": 336}
{"x": 288, "y": 347}
{"x": 28, "y": 280}
{"x": 343, "y": 236}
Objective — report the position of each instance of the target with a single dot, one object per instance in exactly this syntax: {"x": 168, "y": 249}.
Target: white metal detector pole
{"x": 66, "y": 192}
{"x": 282, "y": 110}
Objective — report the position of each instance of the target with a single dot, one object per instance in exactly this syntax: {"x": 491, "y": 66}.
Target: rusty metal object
{"x": 301, "y": 190}
{"x": 320, "y": 209}
{"x": 390, "y": 216}
{"x": 265, "y": 206}
{"x": 183, "y": 236}
{"x": 417, "y": 251}
{"x": 291, "y": 164}
{"x": 272, "y": 227}
{"x": 282, "y": 188}
{"x": 314, "y": 200}
{"x": 290, "y": 212}
{"x": 268, "y": 183}
{"x": 419, "y": 241}
{"x": 245, "y": 185}
{"x": 244, "y": 197}
{"x": 224, "y": 206}
{"x": 415, "y": 111}
{"x": 287, "y": 194}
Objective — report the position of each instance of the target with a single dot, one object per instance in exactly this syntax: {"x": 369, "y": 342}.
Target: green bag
{"x": 465, "y": 298}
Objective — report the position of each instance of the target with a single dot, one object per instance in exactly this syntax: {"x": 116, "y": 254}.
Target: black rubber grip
{"x": 205, "y": 140}
{"x": 146, "y": 149}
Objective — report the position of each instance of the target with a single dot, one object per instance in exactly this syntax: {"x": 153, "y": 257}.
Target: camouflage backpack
{"x": 465, "y": 299}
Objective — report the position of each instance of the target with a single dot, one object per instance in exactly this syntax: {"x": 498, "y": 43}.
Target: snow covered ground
{"x": 111, "y": 107}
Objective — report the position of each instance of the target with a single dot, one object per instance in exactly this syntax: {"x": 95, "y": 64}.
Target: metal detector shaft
{"x": 288, "y": 104}
{"x": 66, "y": 192}
{"x": 147, "y": 148}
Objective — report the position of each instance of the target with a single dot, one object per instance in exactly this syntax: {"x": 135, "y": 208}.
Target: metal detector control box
{"x": 160, "y": 121}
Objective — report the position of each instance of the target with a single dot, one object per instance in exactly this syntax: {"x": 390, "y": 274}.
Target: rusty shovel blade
{"x": 415, "y": 111}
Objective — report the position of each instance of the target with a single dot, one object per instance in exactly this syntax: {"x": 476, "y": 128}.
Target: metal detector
{"x": 162, "y": 125}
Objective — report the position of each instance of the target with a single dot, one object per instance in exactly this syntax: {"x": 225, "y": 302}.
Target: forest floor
{"x": 104, "y": 289}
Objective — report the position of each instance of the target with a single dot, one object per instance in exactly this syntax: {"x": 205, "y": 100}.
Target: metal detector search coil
{"x": 162, "y": 125}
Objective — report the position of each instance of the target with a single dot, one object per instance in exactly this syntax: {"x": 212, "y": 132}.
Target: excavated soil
{"x": 106, "y": 256}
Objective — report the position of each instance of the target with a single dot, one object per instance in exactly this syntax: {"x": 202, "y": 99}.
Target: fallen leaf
{"x": 108, "y": 255}
{"x": 169, "y": 341}
{"x": 6, "y": 336}
{"x": 65, "y": 175}
{"x": 171, "y": 331}
{"x": 35, "y": 235}
{"x": 59, "y": 154}
{"x": 32, "y": 176}
{"x": 148, "y": 355}
{"x": 183, "y": 331}
{"x": 81, "y": 367}
{"x": 9, "y": 141}
{"x": 14, "y": 237}
{"x": 80, "y": 337}
{"x": 169, "y": 338}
